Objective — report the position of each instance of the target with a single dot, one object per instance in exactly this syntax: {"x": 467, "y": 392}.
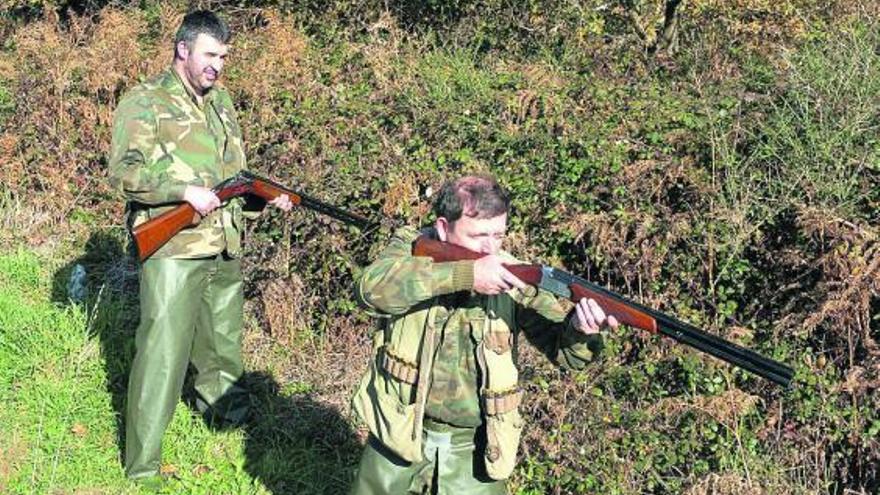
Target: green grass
{"x": 62, "y": 388}
{"x": 58, "y": 426}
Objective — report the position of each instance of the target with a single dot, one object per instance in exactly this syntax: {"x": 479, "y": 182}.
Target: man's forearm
{"x": 394, "y": 285}
{"x": 137, "y": 183}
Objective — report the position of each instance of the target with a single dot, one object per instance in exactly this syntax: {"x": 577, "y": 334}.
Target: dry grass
{"x": 851, "y": 281}
{"x": 383, "y": 49}
{"x": 330, "y": 365}
{"x": 402, "y": 198}
{"x": 726, "y": 484}
{"x": 12, "y": 450}
{"x": 114, "y": 41}
{"x": 269, "y": 73}
{"x": 285, "y": 303}
{"x": 727, "y": 408}
{"x": 766, "y": 20}
{"x": 62, "y": 128}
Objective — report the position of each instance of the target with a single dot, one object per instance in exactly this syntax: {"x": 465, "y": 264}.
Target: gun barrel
{"x": 270, "y": 189}
{"x": 628, "y": 312}
{"x": 726, "y": 350}
{"x": 337, "y": 213}
{"x": 694, "y": 337}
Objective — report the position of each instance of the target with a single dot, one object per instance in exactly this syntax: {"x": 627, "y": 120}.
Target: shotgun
{"x": 152, "y": 234}
{"x": 630, "y": 313}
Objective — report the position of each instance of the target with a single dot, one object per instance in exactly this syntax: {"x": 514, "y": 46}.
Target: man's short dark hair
{"x": 201, "y": 22}
{"x": 475, "y": 196}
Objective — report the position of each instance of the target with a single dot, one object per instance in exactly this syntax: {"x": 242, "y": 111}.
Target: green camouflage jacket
{"x": 163, "y": 140}
{"x": 449, "y": 354}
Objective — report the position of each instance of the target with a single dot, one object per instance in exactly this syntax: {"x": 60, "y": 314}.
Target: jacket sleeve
{"x": 546, "y": 326}
{"x": 398, "y": 281}
{"x": 138, "y": 165}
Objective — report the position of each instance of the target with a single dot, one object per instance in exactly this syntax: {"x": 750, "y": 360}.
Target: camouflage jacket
{"x": 163, "y": 140}
{"x": 449, "y": 354}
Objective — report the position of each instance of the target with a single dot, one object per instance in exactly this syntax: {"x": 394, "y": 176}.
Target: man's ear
{"x": 181, "y": 50}
{"x": 441, "y": 225}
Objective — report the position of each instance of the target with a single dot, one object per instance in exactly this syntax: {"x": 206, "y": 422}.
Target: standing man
{"x": 174, "y": 137}
{"x": 440, "y": 398}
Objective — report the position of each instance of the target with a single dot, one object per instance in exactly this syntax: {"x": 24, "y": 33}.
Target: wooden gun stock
{"x": 532, "y": 275}
{"x": 154, "y": 233}
{"x": 625, "y": 311}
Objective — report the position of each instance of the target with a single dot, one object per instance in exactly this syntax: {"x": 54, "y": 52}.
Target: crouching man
{"x": 440, "y": 397}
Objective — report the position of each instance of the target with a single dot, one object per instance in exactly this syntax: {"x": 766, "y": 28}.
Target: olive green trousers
{"x": 452, "y": 465}
{"x": 191, "y": 312}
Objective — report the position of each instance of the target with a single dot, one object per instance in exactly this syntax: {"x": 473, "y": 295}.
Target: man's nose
{"x": 491, "y": 246}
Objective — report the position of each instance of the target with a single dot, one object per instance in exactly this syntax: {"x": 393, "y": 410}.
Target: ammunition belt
{"x": 501, "y": 402}
{"x": 398, "y": 367}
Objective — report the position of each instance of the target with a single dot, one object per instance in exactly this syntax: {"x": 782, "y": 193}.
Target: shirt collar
{"x": 175, "y": 84}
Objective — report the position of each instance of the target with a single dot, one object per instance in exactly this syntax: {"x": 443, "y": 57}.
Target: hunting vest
{"x": 392, "y": 394}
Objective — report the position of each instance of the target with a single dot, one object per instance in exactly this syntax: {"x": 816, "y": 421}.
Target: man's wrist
{"x": 175, "y": 191}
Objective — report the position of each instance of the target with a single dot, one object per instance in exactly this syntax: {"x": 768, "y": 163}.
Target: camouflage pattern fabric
{"x": 164, "y": 140}
{"x": 398, "y": 282}
{"x": 454, "y": 392}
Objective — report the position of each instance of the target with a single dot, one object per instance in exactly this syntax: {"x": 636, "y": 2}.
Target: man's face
{"x": 482, "y": 235}
{"x": 202, "y": 63}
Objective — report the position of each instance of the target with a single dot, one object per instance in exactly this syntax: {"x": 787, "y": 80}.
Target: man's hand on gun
{"x": 591, "y": 318}
{"x": 283, "y": 202}
{"x": 491, "y": 278}
{"x": 202, "y": 199}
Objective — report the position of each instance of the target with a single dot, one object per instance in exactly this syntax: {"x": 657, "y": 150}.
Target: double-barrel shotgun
{"x": 630, "y": 313}
{"x": 155, "y": 232}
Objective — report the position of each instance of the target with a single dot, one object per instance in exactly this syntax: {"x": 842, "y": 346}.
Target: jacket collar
{"x": 172, "y": 82}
